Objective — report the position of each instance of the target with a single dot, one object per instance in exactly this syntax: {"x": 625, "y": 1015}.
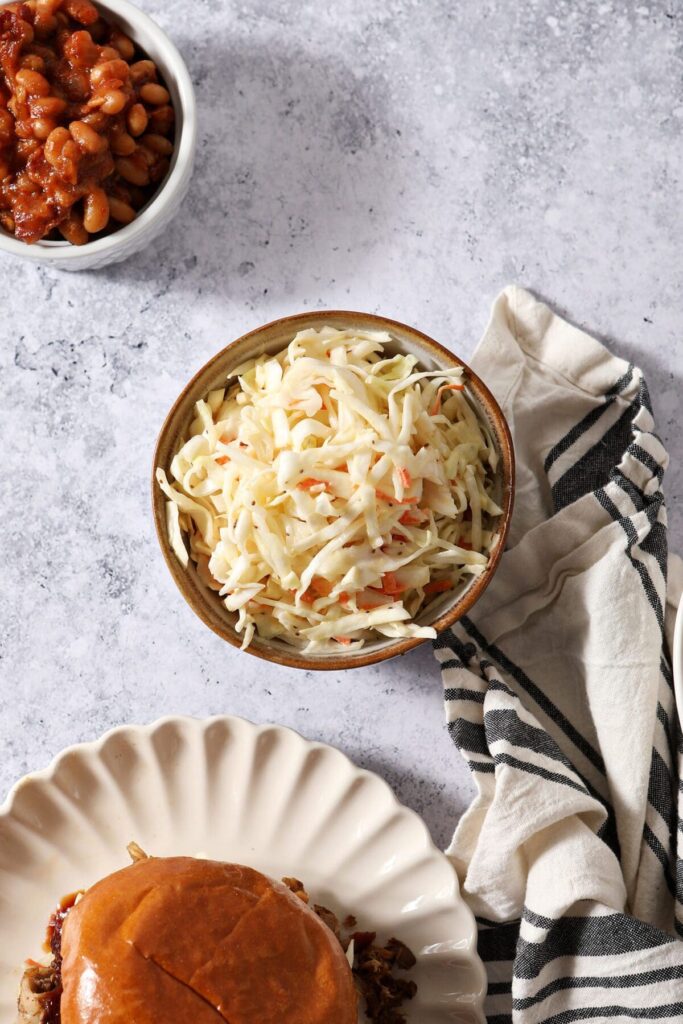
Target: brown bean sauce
{"x": 86, "y": 124}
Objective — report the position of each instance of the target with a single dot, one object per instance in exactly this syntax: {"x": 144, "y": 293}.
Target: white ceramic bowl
{"x": 158, "y": 213}
{"x": 260, "y": 795}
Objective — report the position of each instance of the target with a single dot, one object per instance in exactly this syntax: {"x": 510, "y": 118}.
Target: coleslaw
{"x": 332, "y": 493}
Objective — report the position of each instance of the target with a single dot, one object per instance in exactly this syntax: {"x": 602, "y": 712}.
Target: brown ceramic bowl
{"x": 271, "y": 339}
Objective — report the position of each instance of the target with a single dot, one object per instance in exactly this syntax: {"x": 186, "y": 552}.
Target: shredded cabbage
{"x": 331, "y": 494}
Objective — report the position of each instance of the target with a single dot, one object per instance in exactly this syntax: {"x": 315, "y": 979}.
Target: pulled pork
{"x": 39, "y": 994}
{"x": 41, "y": 986}
{"x": 373, "y": 965}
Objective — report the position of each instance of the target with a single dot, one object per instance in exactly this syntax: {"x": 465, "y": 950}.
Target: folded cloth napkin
{"x": 559, "y": 694}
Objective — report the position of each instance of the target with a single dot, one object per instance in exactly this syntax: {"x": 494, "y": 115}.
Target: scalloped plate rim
{"x": 94, "y": 747}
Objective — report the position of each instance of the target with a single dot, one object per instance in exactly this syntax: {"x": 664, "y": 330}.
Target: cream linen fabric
{"x": 559, "y": 694}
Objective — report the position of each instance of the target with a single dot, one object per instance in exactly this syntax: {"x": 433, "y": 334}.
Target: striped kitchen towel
{"x": 559, "y": 694}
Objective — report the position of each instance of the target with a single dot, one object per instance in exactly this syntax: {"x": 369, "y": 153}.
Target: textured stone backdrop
{"x": 408, "y": 158}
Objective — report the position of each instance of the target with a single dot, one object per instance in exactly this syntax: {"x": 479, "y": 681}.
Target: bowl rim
{"x": 53, "y": 253}
{"x": 451, "y": 615}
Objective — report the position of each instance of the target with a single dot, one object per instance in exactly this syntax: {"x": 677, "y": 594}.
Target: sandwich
{"x": 183, "y": 941}
{"x": 179, "y": 940}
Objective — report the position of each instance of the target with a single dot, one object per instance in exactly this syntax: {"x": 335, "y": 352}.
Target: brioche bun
{"x": 184, "y": 941}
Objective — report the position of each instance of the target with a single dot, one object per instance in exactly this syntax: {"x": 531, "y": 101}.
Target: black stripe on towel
{"x": 662, "y": 974}
{"x": 592, "y": 470}
{"x": 452, "y": 663}
{"x": 469, "y": 736}
{"x": 538, "y": 920}
{"x": 668, "y": 1012}
{"x": 543, "y": 773}
{"x": 485, "y": 767}
{"x": 655, "y": 544}
{"x": 609, "y": 834}
{"x": 504, "y": 724}
{"x": 579, "y": 429}
{"x": 622, "y": 383}
{"x": 460, "y": 693}
{"x": 536, "y": 694}
{"x": 670, "y": 735}
{"x": 604, "y": 936}
{"x": 661, "y": 794}
{"x": 649, "y": 461}
{"x": 637, "y": 496}
{"x": 662, "y": 856}
{"x": 640, "y": 567}
{"x": 664, "y": 719}
{"x": 644, "y": 395}
{"x": 499, "y": 943}
{"x": 498, "y": 684}
{"x": 608, "y": 831}
{"x": 665, "y": 669}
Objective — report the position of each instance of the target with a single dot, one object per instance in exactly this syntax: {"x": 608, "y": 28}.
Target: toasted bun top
{"x": 184, "y": 941}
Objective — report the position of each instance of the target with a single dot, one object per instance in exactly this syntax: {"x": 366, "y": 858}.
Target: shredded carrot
{"x": 310, "y": 483}
{"x": 405, "y": 477}
{"x": 343, "y": 597}
{"x": 438, "y": 586}
{"x": 394, "y": 501}
{"x": 346, "y": 640}
{"x": 390, "y": 585}
{"x": 413, "y": 517}
{"x": 320, "y": 586}
{"x": 223, "y": 459}
{"x": 436, "y": 406}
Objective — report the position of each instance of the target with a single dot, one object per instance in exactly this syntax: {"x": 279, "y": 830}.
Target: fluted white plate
{"x": 259, "y": 795}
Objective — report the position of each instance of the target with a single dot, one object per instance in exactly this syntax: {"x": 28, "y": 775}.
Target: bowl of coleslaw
{"x": 333, "y": 489}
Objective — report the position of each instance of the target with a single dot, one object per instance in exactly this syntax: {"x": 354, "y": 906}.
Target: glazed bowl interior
{"x": 151, "y": 39}
{"x": 270, "y": 340}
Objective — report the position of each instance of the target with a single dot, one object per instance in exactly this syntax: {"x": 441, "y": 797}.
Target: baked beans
{"x": 86, "y": 124}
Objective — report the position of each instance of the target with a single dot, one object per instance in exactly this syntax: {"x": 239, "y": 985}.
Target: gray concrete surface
{"x": 409, "y": 157}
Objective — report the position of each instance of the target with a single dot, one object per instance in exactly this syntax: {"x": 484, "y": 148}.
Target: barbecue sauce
{"x": 53, "y": 944}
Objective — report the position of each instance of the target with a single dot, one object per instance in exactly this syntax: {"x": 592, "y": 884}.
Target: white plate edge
{"x": 94, "y": 747}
